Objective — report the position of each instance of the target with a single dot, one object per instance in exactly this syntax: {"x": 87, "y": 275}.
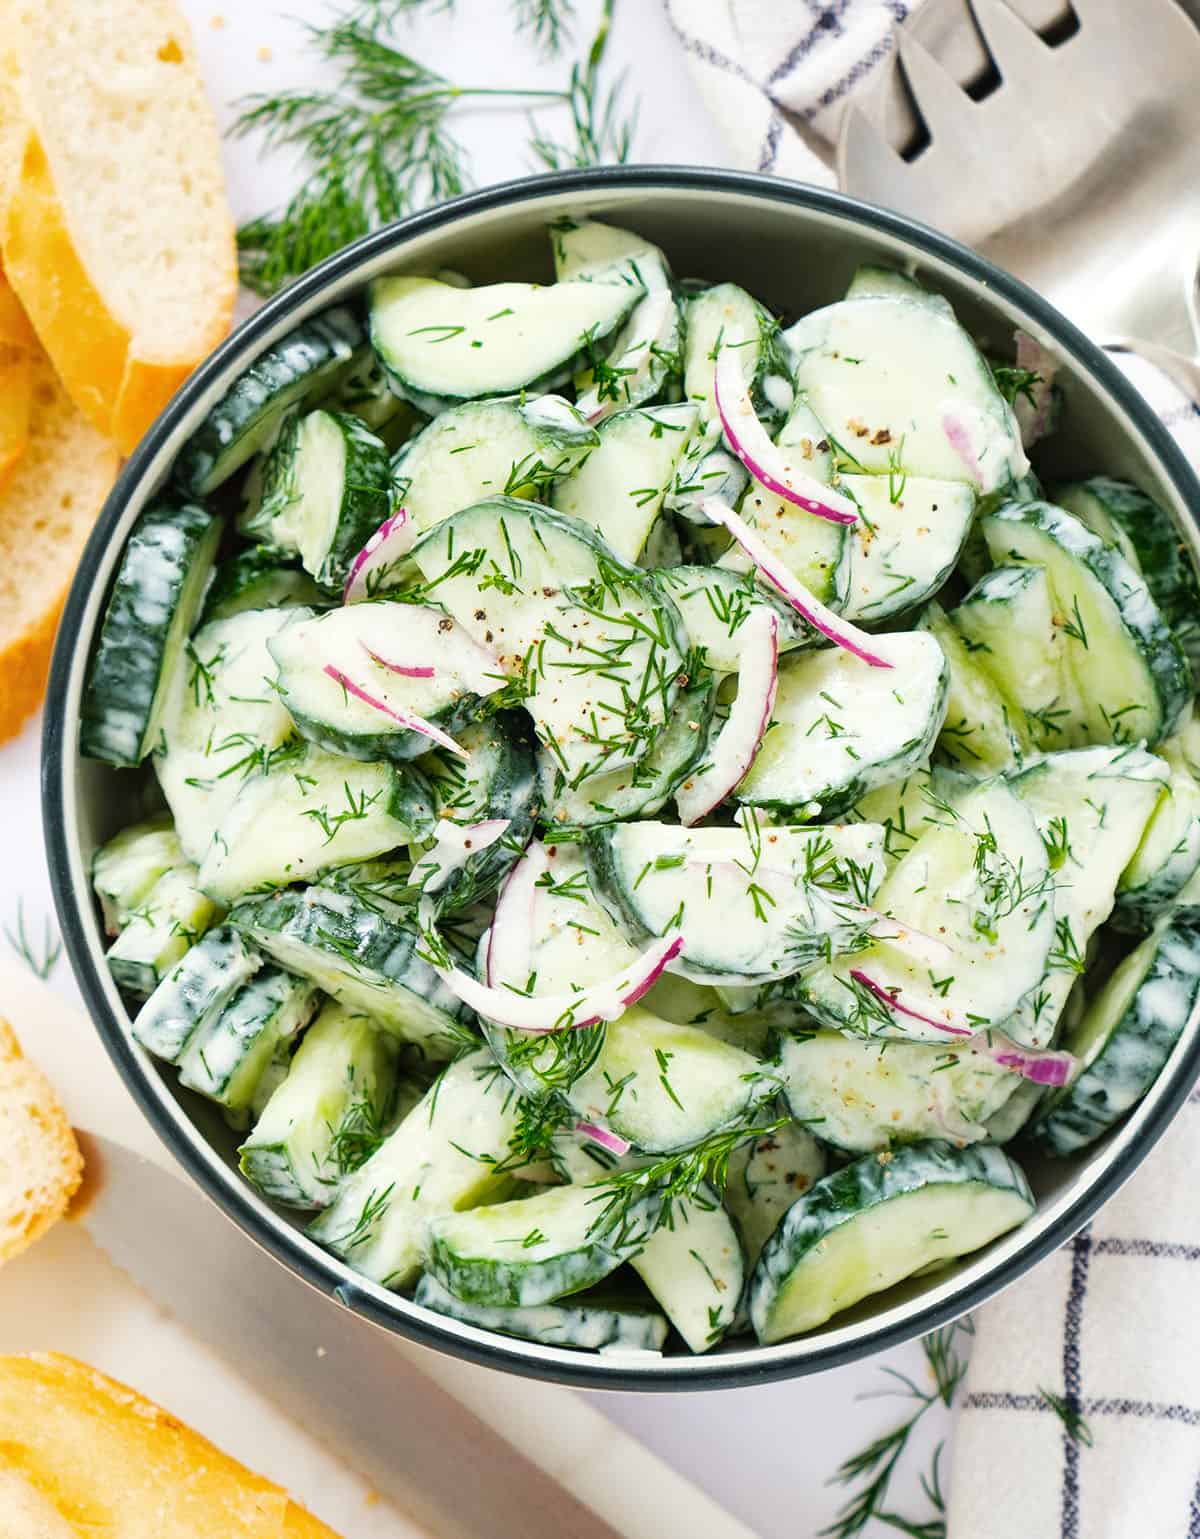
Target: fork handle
{"x": 1178, "y": 367}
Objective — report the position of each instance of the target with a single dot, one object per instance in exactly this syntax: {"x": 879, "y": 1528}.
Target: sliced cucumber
{"x": 352, "y": 677}
{"x": 308, "y": 811}
{"x": 441, "y": 1158}
{"x": 765, "y": 1177}
{"x": 127, "y": 867}
{"x": 871, "y": 282}
{"x": 315, "y": 1127}
{"x": 305, "y": 363}
{"x": 514, "y": 446}
{"x": 361, "y": 957}
{"x": 154, "y": 602}
{"x": 1015, "y": 634}
{"x": 528, "y": 1252}
{"x": 1169, "y": 853}
{"x": 876, "y": 1222}
{"x": 228, "y": 1056}
{"x": 1091, "y": 806}
{"x": 983, "y": 731}
{"x": 978, "y": 879}
{"x": 909, "y": 533}
{"x": 1125, "y": 1037}
{"x": 707, "y": 469}
{"x": 752, "y": 903}
{"x": 441, "y": 344}
{"x": 900, "y": 385}
{"x": 715, "y": 602}
{"x": 220, "y": 723}
{"x": 327, "y": 487}
{"x": 903, "y": 809}
{"x": 364, "y": 393}
{"x": 595, "y": 646}
{"x": 1132, "y": 679}
{"x": 694, "y": 1266}
{"x": 598, "y": 1321}
{"x": 1148, "y": 538}
{"x": 173, "y": 915}
{"x": 257, "y": 578}
{"x": 726, "y": 316}
{"x": 865, "y": 1096}
{"x": 195, "y": 991}
{"x": 619, "y": 488}
{"x": 841, "y": 727}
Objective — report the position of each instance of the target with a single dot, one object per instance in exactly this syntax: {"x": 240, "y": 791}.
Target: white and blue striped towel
{"x": 1108, "y": 1325}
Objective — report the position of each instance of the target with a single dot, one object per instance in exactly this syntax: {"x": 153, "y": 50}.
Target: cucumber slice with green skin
{"x": 643, "y": 788}
{"x": 258, "y": 578}
{"x": 515, "y": 446}
{"x": 310, "y": 810}
{"x": 229, "y": 1054}
{"x": 196, "y": 990}
{"x": 441, "y": 1158}
{"x": 906, "y": 541}
{"x": 1169, "y": 853}
{"x": 221, "y": 722}
{"x": 529, "y": 1252}
{"x": 903, "y": 809}
{"x": 365, "y": 960}
{"x": 865, "y": 1096}
{"x": 1091, "y": 806}
{"x": 1133, "y": 682}
{"x": 876, "y": 1222}
{"x": 327, "y": 487}
{"x": 314, "y": 1128}
{"x": 441, "y": 344}
{"x": 695, "y": 1267}
{"x": 365, "y": 393}
{"x": 1147, "y": 537}
{"x": 715, "y": 603}
{"x": 383, "y": 649}
{"x": 663, "y": 549}
{"x": 841, "y": 727}
{"x": 984, "y": 732}
{"x": 707, "y": 469}
{"x": 619, "y": 488}
{"x": 596, "y": 647}
{"x": 127, "y": 867}
{"x": 1012, "y": 626}
{"x": 305, "y": 363}
{"x": 497, "y": 780}
{"x": 726, "y": 316}
{"x": 871, "y": 282}
{"x": 1004, "y": 1125}
{"x": 153, "y": 606}
{"x": 978, "y": 879}
{"x": 173, "y": 915}
{"x": 1125, "y": 1037}
{"x": 599, "y": 1321}
{"x": 752, "y": 903}
{"x": 645, "y": 359}
{"x": 765, "y": 1177}
{"x": 900, "y": 385}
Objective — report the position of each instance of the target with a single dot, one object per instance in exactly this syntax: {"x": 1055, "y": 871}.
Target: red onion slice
{"x": 408, "y": 719}
{"x": 892, "y": 1001}
{"x": 613, "y": 1142}
{"x": 510, "y": 938}
{"x": 604, "y": 1001}
{"x": 736, "y": 744}
{"x": 765, "y": 461}
{"x": 401, "y": 668}
{"x": 806, "y": 604}
{"x": 394, "y": 538}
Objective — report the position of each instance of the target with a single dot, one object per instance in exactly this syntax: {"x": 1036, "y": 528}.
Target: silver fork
{"x": 1075, "y": 165}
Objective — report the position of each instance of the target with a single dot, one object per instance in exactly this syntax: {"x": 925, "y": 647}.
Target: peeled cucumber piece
{"x": 195, "y": 990}
{"x": 1169, "y": 853}
{"x": 766, "y": 1175}
{"x": 875, "y": 1222}
{"x": 172, "y": 916}
{"x": 227, "y": 1059}
{"x": 127, "y": 867}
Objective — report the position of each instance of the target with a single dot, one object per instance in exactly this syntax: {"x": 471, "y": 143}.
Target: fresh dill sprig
{"x": 40, "y": 960}
{"x": 1068, "y": 1412}
{"x": 376, "y": 147}
{"x": 1013, "y": 382}
{"x": 873, "y": 1467}
{"x": 549, "y": 21}
{"x": 602, "y": 132}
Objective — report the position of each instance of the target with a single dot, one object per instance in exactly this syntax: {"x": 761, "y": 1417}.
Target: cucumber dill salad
{"x": 659, "y": 805}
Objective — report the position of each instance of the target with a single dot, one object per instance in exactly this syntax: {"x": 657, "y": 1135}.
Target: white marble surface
{"x": 766, "y": 1452}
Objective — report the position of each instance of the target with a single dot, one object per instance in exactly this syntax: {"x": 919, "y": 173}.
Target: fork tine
{"x": 864, "y": 146}
{"x": 1017, "y": 51}
{"x": 944, "y": 106}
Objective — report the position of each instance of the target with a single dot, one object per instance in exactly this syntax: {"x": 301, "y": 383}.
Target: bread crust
{"x": 41, "y": 1124}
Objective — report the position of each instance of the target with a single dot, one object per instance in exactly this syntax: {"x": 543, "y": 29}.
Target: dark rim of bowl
{"x": 326, "y": 1274}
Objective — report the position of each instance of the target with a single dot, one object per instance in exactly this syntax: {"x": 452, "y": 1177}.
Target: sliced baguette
{"x": 114, "y": 224}
{"x": 47, "y": 511}
{"x": 117, "y": 1465}
{"x": 17, "y": 344}
{"x": 40, "y": 1163}
{"x": 26, "y": 1514}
